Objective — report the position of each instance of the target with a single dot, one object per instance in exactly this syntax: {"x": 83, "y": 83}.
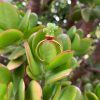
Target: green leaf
{"x": 20, "y": 95}
{"x": 18, "y": 52}
{"x": 96, "y": 12}
{"x": 8, "y": 16}
{"x": 74, "y": 63}
{"x": 57, "y": 93}
{"x": 76, "y": 15}
{"x": 33, "y": 65}
{"x": 97, "y": 2}
{"x": 97, "y": 90}
{"x": 90, "y": 96}
{"x": 23, "y": 26}
{"x": 10, "y": 92}
{"x": 65, "y": 41}
{"x": 85, "y": 44}
{"x": 57, "y": 76}
{"x": 69, "y": 64}
{"x": 87, "y": 1}
{"x": 33, "y": 20}
{"x": 34, "y": 91}
{"x": 60, "y": 59}
{"x": 50, "y": 49}
{"x": 88, "y": 87}
{"x": 29, "y": 73}
{"x": 13, "y": 64}
{"x": 97, "y": 33}
{"x": 76, "y": 42}
{"x": 80, "y": 33}
{"x": 36, "y": 29}
{"x": 7, "y": 50}
{"x": 48, "y": 91}
{"x": 5, "y": 75}
{"x": 1, "y": 30}
{"x": 71, "y": 93}
{"x": 40, "y": 35}
{"x": 71, "y": 32}
{"x": 9, "y": 37}
{"x": 17, "y": 75}
{"x": 3, "y": 88}
{"x": 86, "y": 13}
{"x": 31, "y": 37}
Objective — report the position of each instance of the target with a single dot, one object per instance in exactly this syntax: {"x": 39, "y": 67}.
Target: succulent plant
{"x": 43, "y": 54}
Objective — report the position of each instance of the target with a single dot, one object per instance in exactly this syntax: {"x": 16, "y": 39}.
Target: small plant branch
{"x": 34, "y": 5}
{"x": 26, "y": 80}
{"x": 73, "y": 2}
{"x": 83, "y": 70}
{"x": 79, "y": 72}
{"x": 91, "y": 69}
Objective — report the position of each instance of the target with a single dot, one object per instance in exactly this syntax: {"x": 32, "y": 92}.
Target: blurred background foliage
{"x": 65, "y": 13}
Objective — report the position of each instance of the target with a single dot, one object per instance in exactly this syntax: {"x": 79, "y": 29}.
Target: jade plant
{"x": 41, "y": 58}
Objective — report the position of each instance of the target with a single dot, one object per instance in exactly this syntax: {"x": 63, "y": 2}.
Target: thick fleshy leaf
{"x": 71, "y": 32}
{"x": 33, "y": 65}
{"x": 20, "y": 95}
{"x": 57, "y": 76}
{"x": 30, "y": 40}
{"x": 65, "y": 41}
{"x": 34, "y": 91}
{"x": 97, "y": 33}
{"x": 76, "y": 42}
{"x": 86, "y": 14}
{"x": 6, "y": 50}
{"x": 61, "y": 68}
{"x": 90, "y": 96}
{"x": 48, "y": 91}
{"x": 88, "y": 87}
{"x": 13, "y": 64}
{"x": 74, "y": 63}
{"x": 39, "y": 36}
{"x": 18, "y": 52}
{"x": 50, "y": 47}
{"x": 3, "y": 88}
{"x": 23, "y": 26}
{"x": 17, "y": 75}
{"x": 60, "y": 59}
{"x": 29, "y": 73}
{"x": 9, "y": 37}
{"x": 86, "y": 1}
{"x": 36, "y": 29}
{"x": 80, "y": 33}
{"x": 5, "y": 75}
{"x": 57, "y": 93}
{"x": 10, "y": 92}
{"x": 71, "y": 93}
{"x": 8, "y": 16}
{"x": 33, "y": 20}
{"x": 97, "y": 90}
{"x": 85, "y": 44}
